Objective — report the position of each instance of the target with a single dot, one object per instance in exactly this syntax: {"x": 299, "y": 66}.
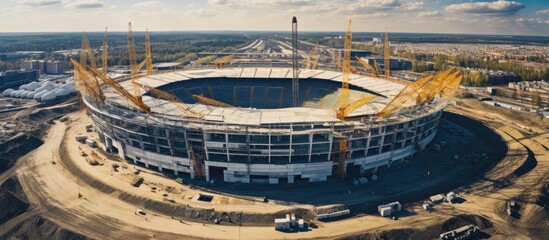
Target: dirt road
{"x": 53, "y": 192}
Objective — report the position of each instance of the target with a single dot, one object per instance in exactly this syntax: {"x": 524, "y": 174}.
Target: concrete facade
{"x": 272, "y": 145}
{"x": 260, "y": 155}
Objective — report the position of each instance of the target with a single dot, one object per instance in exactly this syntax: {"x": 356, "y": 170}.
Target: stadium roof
{"x": 251, "y": 116}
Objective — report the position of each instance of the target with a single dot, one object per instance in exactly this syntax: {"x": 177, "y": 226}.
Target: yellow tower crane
{"x": 386, "y": 56}
{"x": 133, "y": 64}
{"x": 338, "y": 61}
{"x": 86, "y": 52}
{"x": 220, "y": 62}
{"x": 105, "y": 54}
{"x": 368, "y": 66}
{"x": 346, "y": 69}
{"x": 148, "y": 54}
{"x": 173, "y": 99}
{"x": 87, "y": 84}
{"x": 312, "y": 59}
{"x": 212, "y": 102}
{"x": 410, "y": 92}
{"x": 91, "y": 85}
{"x": 112, "y": 83}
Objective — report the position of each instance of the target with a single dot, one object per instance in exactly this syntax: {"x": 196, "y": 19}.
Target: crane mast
{"x": 295, "y": 78}
{"x": 133, "y": 63}
{"x": 346, "y": 67}
{"x": 86, "y": 52}
{"x": 105, "y": 54}
{"x": 148, "y": 54}
{"x": 386, "y": 56}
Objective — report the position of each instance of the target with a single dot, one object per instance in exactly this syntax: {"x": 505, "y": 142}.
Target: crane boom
{"x": 441, "y": 85}
{"x": 212, "y": 102}
{"x": 148, "y": 54}
{"x": 367, "y": 66}
{"x": 346, "y": 67}
{"x": 115, "y": 85}
{"x": 353, "y": 106}
{"x": 312, "y": 59}
{"x": 133, "y": 63}
{"x": 408, "y": 93}
{"x": 86, "y": 52}
{"x": 171, "y": 98}
{"x": 105, "y": 54}
{"x": 85, "y": 84}
{"x": 220, "y": 62}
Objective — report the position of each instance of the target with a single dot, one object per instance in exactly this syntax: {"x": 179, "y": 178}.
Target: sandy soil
{"x": 53, "y": 191}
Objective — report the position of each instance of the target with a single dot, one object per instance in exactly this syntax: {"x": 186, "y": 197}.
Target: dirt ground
{"x": 104, "y": 211}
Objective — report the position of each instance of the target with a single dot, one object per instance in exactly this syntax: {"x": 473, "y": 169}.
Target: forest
{"x": 166, "y": 46}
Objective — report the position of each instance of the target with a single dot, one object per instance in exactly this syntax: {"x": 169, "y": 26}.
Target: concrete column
{"x": 108, "y": 143}
{"x": 310, "y": 145}
{"x": 227, "y": 147}
{"x": 291, "y": 179}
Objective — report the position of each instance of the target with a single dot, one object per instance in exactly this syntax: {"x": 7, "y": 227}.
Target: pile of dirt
{"x": 41, "y": 228}
{"x": 428, "y": 232}
{"x": 12, "y": 185}
{"x": 534, "y": 210}
{"x": 12, "y": 200}
{"x": 18, "y": 146}
{"x": 211, "y": 215}
{"x": 529, "y": 119}
{"x": 36, "y": 115}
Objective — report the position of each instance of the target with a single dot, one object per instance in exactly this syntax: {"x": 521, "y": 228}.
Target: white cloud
{"x": 147, "y": 4}
{"x": 544, "y": 11}
{"x": 40, "y": 3}
{"x": 253, "y": 3}
{"x": 371, "y": 15}
{"x": 532, "y": 21}
{"x": 412, "y": 6}
{"x": 499, "y": 7}
{"x": 154, "y": 13}
{"x": 461, "y": 20}
{"x": 86, "y": 4}
{"x": 202, "y": 12}
{"x": 429, "y": 14}
{"x": 14, "y": 11}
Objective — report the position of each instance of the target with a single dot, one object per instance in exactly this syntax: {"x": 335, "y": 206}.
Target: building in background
{"x": 356, "y": 53}
{"x": 45, "y": 67}
{"x": 396, "y": 63}
{"x": 16, "y": 78}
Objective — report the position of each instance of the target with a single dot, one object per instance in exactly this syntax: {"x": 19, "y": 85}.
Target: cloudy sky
{"x": 530, "y": 17}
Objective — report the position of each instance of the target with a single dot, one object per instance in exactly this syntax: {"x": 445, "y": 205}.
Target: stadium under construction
{"x": 256, "y": 125}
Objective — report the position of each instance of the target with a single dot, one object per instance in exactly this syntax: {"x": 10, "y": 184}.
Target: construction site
{"x": 262, "y": 125}
{"x": 227, "y": 151}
